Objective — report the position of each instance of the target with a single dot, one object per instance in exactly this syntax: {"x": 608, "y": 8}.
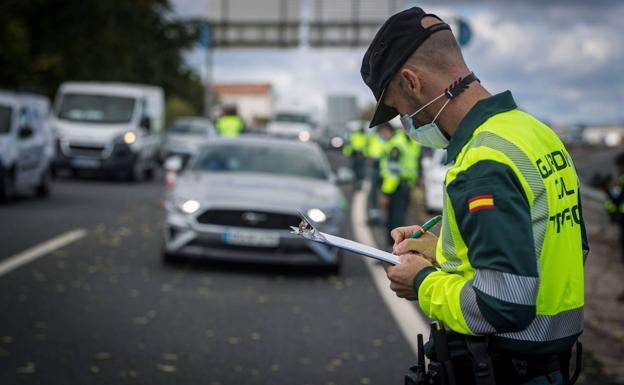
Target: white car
{"x": 186, "y": 135}
{"x": 239, "y": 197}
{"x": 113, "y": 127}
{"x": 26, "y": 144}
{"x": 434, "y": 171}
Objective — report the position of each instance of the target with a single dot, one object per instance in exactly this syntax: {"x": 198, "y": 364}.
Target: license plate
{"x": 86, "y": 163}
{"x": 251, "y": 238}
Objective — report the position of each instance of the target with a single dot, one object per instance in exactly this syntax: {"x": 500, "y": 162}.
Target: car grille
{"x": 90, "y": 151}
{"x": 248, "y": 218}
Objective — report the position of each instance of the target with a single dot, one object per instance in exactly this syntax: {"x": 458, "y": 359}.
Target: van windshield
{"x": 5, "y": 119}
{"x": 291, "y": 118}
{"x": 96, "y": 108}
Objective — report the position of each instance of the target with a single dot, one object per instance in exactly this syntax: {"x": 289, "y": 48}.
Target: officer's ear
{"x": 410, "y": 82}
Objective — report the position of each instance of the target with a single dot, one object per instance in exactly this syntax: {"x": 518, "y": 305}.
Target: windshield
{"x": 298, "y": 161}
{"x": 189, "y": 129}
{"x": 291, "y": 118}
{"x": 96, "y": 108}
{"x": 5, "y": 119}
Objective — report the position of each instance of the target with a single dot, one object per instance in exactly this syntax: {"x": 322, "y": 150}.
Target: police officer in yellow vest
{"x": 507, "y": 270}
{"x": 398, "y": 169}
{"x": 375, "y": 150}
{"x": 615, "y": 201}
{"x": 230, "y": 124}
{"x": 355, "y": 150}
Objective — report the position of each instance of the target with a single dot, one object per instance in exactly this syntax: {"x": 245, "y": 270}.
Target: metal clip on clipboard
{"x": 307, "y": 230}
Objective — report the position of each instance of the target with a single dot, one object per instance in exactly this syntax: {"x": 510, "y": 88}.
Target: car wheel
{"x": 169, "y": 258}
{"x": 336, "y": 267}
{"x": 7, "y": 186}
{"x": 45, "y": 185}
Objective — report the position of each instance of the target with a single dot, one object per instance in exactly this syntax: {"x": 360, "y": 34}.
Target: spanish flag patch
{"x": 480, "y": 202}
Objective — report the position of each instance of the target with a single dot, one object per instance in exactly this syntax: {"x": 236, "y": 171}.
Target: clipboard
{"x": 307, "y": 230}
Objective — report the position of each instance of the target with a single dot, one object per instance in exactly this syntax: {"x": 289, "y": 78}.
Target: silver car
{"x": 239, "y": 196}
{"x": 186, "y": 135}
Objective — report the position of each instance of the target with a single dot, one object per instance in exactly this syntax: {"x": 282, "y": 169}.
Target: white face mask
{"x": 428, "y": 135}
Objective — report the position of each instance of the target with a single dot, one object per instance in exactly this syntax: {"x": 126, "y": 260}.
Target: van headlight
{"x": 129, "y": 137}
{"x": 126, "y": 138}
{"x": 317, "y": 215}
{"x": 304, "y": 136}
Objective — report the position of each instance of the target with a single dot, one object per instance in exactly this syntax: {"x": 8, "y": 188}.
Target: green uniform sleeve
{"x": 493, "y": 217}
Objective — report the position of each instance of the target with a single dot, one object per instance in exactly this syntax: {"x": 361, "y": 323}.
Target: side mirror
{"x": 344, "y": 175}
{"x": 173, "y": 164}
{"x": 146, "y": 123}
{"x": 25, "y": 132}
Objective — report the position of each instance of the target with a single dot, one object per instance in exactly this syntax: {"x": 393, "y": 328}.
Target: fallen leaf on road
{"x": 170, "y": 357}
{"x": 28, "y": 369}
{"x": 166, "y": 368}
{"x": 101, "y": 356}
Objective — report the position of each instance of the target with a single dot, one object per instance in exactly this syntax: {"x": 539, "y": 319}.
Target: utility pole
{"x": 207, "y": 78}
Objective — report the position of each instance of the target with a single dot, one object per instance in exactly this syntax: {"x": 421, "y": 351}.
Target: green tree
{"x": 46, "y": 42}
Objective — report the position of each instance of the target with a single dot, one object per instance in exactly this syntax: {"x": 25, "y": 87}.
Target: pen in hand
{"x": 427, "y": 226}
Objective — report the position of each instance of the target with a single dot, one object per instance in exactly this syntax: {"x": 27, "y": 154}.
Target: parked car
{"x": 434, "y": 171}
{"x": 186, "y": 135}
{"x": 26, "y": 144}
{"x": 239, "y": 196}
{"x": 109, "y": 127}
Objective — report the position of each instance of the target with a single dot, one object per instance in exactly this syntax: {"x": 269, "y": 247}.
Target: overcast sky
{"x": 564, "y": 61}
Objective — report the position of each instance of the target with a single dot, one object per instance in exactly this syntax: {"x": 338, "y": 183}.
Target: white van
{"x": 111, "y": 127}
{"x": 293, "y": 123}
{"x": 26, "y": 144}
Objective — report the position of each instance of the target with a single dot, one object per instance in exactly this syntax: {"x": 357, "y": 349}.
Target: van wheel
{"x": 136, "y": 172}
{"x": 45, "y": 185}
{"x": 7, "y": 186}
{"x": 148, "y": 172}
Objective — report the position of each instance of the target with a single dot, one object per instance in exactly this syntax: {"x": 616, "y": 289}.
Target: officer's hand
{"x": 384, "y": 200}
{"x": 425, "y": 244}
{"x": 402, "y": 276}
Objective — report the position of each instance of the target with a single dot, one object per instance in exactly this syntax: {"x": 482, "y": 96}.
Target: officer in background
{"x": 508, "y": 265}
{"x": 355, "y": 150}
{"x": 615, "y": 201}
{"x": 399, "y": 173}
{"x": 230, "y": 124}
{"x": 375, "y": 150}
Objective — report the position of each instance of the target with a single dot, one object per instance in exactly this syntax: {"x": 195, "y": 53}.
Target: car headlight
{"x": 304, "y": 136}
{"x": 188, "y": 206}
{"x": 317, "y": 215}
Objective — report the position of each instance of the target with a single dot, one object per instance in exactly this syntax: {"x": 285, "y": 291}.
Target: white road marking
{"x": 29, "y": 255}
{"x": 410, "y": 320}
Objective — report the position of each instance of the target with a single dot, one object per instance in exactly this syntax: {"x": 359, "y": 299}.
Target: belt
{"x": 514, "y": 370}
{"x": 509, "y": 370}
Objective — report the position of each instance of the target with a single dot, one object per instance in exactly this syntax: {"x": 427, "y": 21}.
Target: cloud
{"x": 562, "y": 60}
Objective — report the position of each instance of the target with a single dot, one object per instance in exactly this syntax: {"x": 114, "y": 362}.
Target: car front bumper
{"x": 186, "y": 238}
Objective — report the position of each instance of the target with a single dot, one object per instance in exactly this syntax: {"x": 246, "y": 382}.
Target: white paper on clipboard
{"x": 308, "y": 231}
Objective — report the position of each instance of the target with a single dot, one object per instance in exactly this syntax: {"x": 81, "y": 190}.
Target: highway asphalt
{"x": 104, "y": 309}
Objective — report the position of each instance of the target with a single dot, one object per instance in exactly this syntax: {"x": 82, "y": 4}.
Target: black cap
{"x": 393, "y": 44}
